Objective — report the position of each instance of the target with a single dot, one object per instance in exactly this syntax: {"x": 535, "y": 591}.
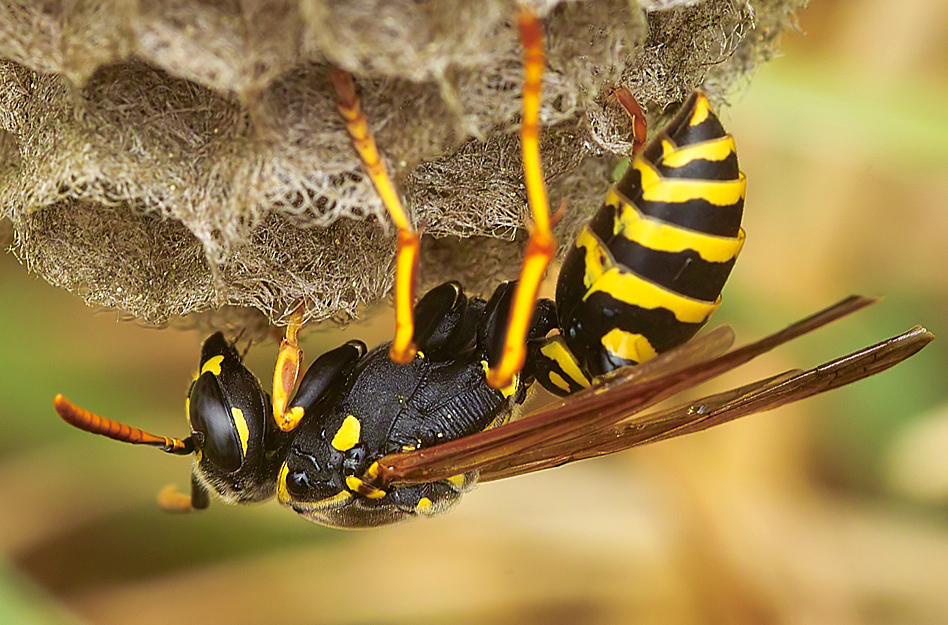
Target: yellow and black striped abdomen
{"x": 647, "y": 271}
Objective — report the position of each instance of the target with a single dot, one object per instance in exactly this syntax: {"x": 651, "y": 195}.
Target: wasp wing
{"x": 612, "y": 399}
{"x": 717, "y": 409}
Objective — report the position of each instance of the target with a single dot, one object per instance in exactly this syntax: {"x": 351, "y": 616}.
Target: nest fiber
{"x": 169, "y": 157}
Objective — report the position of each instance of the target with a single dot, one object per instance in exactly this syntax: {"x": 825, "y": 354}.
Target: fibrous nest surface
{"x": 170, "y": 157}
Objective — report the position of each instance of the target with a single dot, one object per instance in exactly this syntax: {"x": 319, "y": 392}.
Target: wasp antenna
{"x": 93, "y": 423}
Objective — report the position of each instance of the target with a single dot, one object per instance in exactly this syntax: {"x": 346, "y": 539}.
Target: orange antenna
{"x": 91, "y": 422}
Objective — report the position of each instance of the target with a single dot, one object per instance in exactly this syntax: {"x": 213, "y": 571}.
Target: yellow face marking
{"x": 213, "y": 365}
{"x": 701, "y": 111}
{"x": 555, "y": 349}
{"x": 663, "y": 237}
{"x": 356, "y": 485}
{"x": 241, "y": 424}
{"x": 558, "y": 381}
{"x": 347, "y": 436}
{"x": 714, "y": 150}
{"x": 628, "y": 346}
{"x": 424, "y": 506}
{"x": 632, "y": 289}
{"x": 187, "y": 411}
{"x": 508, "y": 390}
{"x": 655, "y": 188}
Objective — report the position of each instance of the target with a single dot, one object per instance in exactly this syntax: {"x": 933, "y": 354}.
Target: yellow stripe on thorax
{"x": 656, "y": 188}
{"x": 715, "y": 150}
{"x": 636, "y": 291}
{"x": 662, "y": 237}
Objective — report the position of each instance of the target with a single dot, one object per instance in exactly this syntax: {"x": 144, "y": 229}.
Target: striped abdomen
{"x": 647, "y": 271}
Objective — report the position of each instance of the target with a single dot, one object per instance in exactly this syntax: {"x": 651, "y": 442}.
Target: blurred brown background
{"x": 831, "y": 511}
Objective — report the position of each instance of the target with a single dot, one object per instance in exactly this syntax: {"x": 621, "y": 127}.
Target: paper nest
{"x": 171, "y": 157}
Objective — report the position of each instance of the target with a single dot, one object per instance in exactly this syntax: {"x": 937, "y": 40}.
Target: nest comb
{"x": 171, "y": 157}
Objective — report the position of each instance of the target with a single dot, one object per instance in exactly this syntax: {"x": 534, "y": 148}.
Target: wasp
{"x": 373, "y": 437}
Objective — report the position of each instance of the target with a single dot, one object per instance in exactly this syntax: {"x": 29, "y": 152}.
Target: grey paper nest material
{"x": 169, "y": 157}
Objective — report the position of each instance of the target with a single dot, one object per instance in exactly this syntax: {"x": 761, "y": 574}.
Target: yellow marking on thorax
{"x": 628, "y": 346}
{"x": 508, "y": 390}
{"x": 373, "y": 471}
{"x": 637, "y": 291}
{"x": 328, "y": 502}
{"x": 714, "y": 150}
{"x": 457, "y": 480}
{"x": 660, "y": 236}
{"x": 187, "y": 410}
{"x": 701, "y": 111}
{"x": 424, "y": 506}
{"x": 557, "y": 351}
{"x": 241, "y": 424}
{"x": 284, "y": 497}
{"x": 656, "y": 188}
{"x": 213, "y": 365}
{"x": 347, "y": 436}
{"x": 356, "y": 485}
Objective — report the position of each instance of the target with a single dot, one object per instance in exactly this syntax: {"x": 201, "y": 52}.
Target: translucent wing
{"x": 561, "y": 432}
{"x": 705, "y": 413}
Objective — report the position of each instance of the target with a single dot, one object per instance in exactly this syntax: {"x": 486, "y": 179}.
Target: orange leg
{"x": 285, "y": 374}
{"x": 406, "y": 259}
{"x": 542, "y": 245}
{"x": 639, "y": 122}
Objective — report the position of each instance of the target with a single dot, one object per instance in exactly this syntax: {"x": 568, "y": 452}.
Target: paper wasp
{"x": 376, "y": 437}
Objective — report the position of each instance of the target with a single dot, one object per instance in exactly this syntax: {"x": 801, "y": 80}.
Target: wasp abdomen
{"x": 647, "y": 271}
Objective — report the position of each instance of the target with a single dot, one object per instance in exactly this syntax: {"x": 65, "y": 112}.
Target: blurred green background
{"x": 829, "y": 511}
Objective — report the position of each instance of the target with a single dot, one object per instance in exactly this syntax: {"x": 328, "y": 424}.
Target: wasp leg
{"x": 406, "y": 259}
{"x": 639, "y": 122}
{"x": 323, "y": 377}
{"x": 446, "y": 322}
{"x": 286, "y": 372}
{"x": 496, "y": 319}
{"x": 171, "y": 500}
{"x": 542, "y": 245}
